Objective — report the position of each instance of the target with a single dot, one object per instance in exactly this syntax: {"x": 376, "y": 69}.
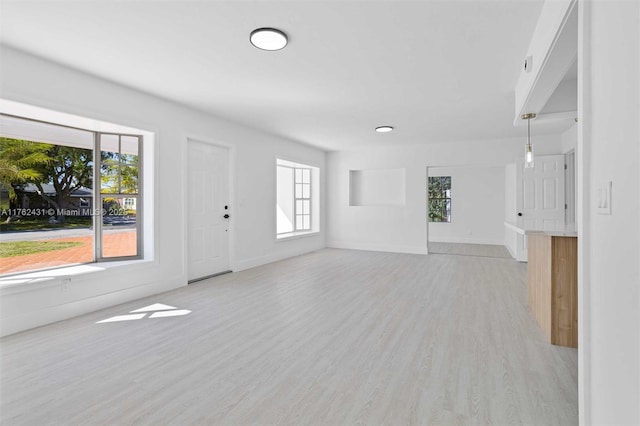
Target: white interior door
{"x": 540, "y": 197}
{"x": 208, "y": 204}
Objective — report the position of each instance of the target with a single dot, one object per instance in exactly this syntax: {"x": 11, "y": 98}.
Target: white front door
{"x": 208, "y": 204}
{"x": 540, "y": 197}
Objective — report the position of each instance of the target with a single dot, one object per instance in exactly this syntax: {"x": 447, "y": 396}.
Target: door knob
{"x": 226, "y": 216}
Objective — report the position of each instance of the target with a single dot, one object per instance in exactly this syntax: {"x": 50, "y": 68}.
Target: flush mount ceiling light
{"x": 268, "y": 39}
{"x": 384, "y": 129}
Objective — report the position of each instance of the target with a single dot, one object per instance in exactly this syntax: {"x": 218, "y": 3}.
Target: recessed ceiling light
{"x": 268, "y": 39}
{"x": 384, "y": 129}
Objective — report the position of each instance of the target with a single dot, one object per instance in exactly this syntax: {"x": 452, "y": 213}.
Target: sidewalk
{"x": 114, "y": 244}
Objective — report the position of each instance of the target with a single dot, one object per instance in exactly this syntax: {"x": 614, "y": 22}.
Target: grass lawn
{"x": 43, "y": 223}
{"x": 20, "y": 248}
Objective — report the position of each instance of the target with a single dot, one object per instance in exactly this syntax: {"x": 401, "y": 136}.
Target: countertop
{"x": 552, "y": 233}
{"x": 532, "y": 231}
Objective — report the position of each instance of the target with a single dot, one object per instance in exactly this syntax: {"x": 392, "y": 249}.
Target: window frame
{"x": 97, "y": 196}
{"x": 312, "y": 199}
{"x": 294, "y": 184}
{"x": 98, "y": 219}
{"x": 302, "y": 199}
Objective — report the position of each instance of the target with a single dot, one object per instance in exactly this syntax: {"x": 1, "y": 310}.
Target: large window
{"x": 439, "y": 199}
{"x": 297, "y": 198}
{"x": 67, "y": 195}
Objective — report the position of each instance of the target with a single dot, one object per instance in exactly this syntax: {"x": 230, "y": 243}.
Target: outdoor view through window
{"x": 439, "y": 198}
{"x": 67, "y": 196}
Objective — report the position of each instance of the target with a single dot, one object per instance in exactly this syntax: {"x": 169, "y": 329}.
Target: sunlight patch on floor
{"x": 119, "y": 318}
{"x": 155, "y": 307}
{"x": 158, "y": 310}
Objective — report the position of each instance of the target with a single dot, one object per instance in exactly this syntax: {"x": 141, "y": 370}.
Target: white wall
{"x": 477, "y": 205}
{"x": 609, "y": 284}
{"x": 510, "y": 199}
{"x": 403, "y": 228}
{"x": 34, "y": 81}
{"x": 510, "y": 208}
{"x": 570, "y": 139}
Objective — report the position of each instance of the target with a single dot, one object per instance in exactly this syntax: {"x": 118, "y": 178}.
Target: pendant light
{"x": 528, "y": 148}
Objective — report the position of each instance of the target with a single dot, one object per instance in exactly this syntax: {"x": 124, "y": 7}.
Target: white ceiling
{"x": 436, "y": 70}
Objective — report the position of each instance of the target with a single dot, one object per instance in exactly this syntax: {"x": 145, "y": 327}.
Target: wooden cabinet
{"x": 552, "y": 286}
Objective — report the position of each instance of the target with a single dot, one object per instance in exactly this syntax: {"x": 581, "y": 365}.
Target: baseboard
{"x": 377, "y": 247}
{"x": 241, "y": 265}
{"x": 30, "y": 319}
{"x": 487, "y": 241}
{"x": 510, "y": 250}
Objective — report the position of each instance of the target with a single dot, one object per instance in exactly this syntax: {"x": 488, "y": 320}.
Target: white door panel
{"x": 540, "y": 197}
{"x": 208, "y": 194}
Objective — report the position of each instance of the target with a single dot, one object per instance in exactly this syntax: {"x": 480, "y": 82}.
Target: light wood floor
{"x": 483, "y": 250}
{"x": 328, "y": 338}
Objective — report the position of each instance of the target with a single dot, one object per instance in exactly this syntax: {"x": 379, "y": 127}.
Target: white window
{"x": 50, "y": 165}
{"x": 297, "y": 209}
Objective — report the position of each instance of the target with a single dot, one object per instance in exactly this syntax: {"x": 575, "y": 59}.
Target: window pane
{"x": 306, "y": 205}
{"x": 109, "y": 178}
{"x": 306, "y": 222}
{"x": 298, "y": 221}
{"x": 119, "y": 171}
{"x": 109, "y": 143}
{"x": 35, "y": 131}
{"x": 45, "y": 222}
{"x": 119, "y": 237}
{"x": 284, "y": 205}
{"x": 129, "y": 179}
{"x": 299, "y": 207}
{"x": 109, "y": 158}
{"x": 298, "y": 191}
{"x": 129, "y": 159}
{"x": 129, "y": 145}
{"x": 306, "y": 191}
{"x": 306, "y": 176}
{"x": 298, "y": 175}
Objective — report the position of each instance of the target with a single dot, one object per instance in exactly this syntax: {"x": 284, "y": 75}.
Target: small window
{"x": 297, "y": 198}
{"x": 439, "y": 198}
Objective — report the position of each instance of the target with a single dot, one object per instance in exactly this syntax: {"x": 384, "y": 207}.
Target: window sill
{"x": 50, "y": 277}
{"x": 296, "y": 235}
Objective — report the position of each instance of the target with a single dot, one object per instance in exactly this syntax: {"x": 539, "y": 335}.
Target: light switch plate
{"x": 603, "y": 198}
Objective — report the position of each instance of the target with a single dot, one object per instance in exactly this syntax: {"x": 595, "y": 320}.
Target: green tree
{"x": 118, "y": 173}
{"x": 21, "y": 162}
